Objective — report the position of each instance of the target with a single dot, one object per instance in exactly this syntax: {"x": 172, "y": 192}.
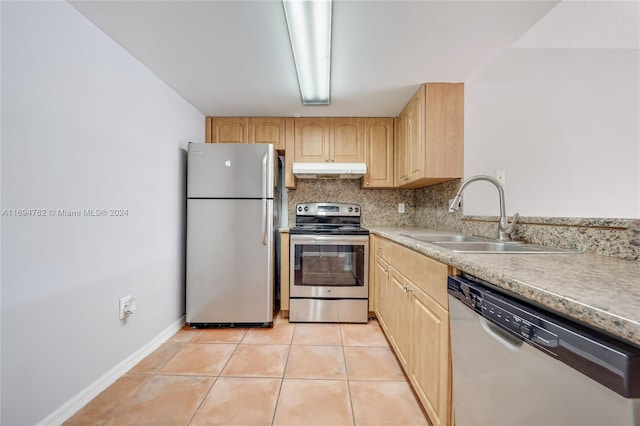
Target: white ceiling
{"x": 233, "y": 57}
{"x": 602, "y": 24}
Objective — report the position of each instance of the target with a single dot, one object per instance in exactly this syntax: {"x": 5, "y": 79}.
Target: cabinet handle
{"x": 326, "y": 159}
{"x": 333, "y": 159}
{"x": 366, "y": 183}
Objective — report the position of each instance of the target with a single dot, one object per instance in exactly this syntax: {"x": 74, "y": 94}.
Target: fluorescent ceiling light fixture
{"x": 309, "y": 23}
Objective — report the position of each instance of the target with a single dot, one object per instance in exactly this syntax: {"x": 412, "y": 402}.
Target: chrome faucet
{"x": 505, "y": 229}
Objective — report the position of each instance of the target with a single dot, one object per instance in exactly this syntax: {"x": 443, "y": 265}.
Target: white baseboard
{"x": 72, "y": 406}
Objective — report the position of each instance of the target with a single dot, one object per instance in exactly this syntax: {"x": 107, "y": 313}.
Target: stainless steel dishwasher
{"x": 517, "y": 364}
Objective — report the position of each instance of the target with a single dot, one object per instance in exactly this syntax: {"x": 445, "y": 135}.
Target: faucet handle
{"x": 455, "y": 203}
{"x": 511, "y": 228}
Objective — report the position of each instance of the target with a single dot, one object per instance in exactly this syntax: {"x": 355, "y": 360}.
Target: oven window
{"x": 329, "y": 265}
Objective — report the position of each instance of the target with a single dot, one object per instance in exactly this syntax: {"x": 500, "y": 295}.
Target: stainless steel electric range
{"x": 329, "y": 265}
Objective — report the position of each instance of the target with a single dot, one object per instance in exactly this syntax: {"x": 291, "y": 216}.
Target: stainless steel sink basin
{"x": 430, "y": 238}
{"x": 460, "y": 243}
{"x": 498, "y": 247}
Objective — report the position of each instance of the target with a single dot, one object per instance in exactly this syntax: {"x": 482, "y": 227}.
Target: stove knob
{"x": 299, "y": 209}
{"x": 350, "y": 209}
{"x": 357, "y": 210}
{"x": 306, "y": 209}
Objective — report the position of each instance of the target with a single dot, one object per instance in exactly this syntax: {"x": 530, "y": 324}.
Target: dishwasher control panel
{"x": 517, "y": 325}
{"x": 525, "y": 325}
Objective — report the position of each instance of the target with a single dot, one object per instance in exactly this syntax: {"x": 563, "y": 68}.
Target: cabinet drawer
{"x": 428, "y": 274}
{"x": 383, "y": 249}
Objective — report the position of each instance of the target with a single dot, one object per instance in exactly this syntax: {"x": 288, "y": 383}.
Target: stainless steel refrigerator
{"x": 231, "y": 220}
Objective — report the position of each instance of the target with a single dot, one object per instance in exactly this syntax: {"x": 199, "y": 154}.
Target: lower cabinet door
{"x": 399, "y": 317}
{"x": 429, "y": 359}
{"x": 381, "y": 288}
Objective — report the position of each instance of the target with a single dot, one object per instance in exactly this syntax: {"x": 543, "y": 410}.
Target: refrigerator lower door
{"x": 230, "y": 262}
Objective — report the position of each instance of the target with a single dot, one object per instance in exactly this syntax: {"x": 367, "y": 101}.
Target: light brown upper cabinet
{"x": 227, "y": 130}
{"x": 402, "y": 127}
{"x": 430, "y": 136}
{"x": 378, "y": 153}
{"x": 273, "y": 130}
{"x": 311, "y": 140}
{"x": 319, "y": 140}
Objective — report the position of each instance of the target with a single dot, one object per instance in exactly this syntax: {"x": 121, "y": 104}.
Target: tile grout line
{"x": 346, "y": 371}
{"x": 206, "y": 394}
{"x": 217, "y": 377}
{"x": 275, "y": 408}
{"x": 191, "y": 341}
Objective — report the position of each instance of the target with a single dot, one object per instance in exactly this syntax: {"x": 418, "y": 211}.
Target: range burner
{"x": 328, "y": 218}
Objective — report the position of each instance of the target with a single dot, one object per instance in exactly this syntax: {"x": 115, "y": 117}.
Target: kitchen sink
{"x": 461, "y": 243}
{"x": 430, "y": 238}
{"x": 498, "y": 247}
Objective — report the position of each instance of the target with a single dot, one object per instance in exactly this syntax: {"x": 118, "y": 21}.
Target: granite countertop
{"x": 600, "y": 291}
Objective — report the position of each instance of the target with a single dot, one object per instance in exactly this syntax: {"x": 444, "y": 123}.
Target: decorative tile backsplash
{"x": 634, "y": 233}
{"x": 609, "y": 237}
{"x": 379, "y": 206}
{"x": 427, "y": 208}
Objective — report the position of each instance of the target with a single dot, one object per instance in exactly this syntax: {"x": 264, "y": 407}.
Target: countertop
{"x": 600, "y": 291}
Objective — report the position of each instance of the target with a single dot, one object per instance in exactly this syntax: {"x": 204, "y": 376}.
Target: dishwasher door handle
{"x": 503, "y": 337}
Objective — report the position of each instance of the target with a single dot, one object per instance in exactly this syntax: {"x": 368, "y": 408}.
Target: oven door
{"x": 329, "y": 266}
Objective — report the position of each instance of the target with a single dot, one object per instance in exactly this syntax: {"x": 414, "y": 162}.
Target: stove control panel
{"x": 327, "y": 209}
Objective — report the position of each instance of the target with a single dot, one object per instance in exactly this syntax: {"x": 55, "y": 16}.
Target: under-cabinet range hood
{"x": 329, "y": 170}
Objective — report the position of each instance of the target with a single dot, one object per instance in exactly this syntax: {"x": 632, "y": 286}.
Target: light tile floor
{"x": 291, "y": 374}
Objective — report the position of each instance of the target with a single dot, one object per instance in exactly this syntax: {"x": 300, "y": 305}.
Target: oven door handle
{"x": 265, "y": 191}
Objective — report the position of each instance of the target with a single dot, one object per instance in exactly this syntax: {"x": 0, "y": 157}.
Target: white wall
{"x": 84, "y": 126}
{"x": 564, "y": 125}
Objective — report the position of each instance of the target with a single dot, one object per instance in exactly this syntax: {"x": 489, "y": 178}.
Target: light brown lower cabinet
{"x": 411, "y": 304}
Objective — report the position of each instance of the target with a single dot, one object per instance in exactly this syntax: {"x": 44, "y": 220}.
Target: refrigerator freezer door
{"x": 224, "y": 170}
{"x": 230, "y": 272}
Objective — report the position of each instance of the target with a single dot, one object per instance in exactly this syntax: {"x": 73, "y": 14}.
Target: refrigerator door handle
{"x": 264, "y": 222}
{"x": 264, "y": 199}
{"x": 265, "y": 188}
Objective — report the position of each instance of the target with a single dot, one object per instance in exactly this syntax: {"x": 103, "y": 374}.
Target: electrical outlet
{"x": 124, "y": 304}
{"x": 400, "y": 207}
{"x": 501, "y": 177}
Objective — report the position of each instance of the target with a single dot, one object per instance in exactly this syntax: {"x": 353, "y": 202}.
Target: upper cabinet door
{"x": 312, "y": 140}
{"x": 444, "y": 129}
{"x": 228, "y": 129}
{"x": 378, "y": 149}
{"x": 415, "y": 137}
{"x": 347, "y": 140}
{"x": 434, "y": 137}
{"x": 402, "y": 126}
{"x": 269, "y": 130}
